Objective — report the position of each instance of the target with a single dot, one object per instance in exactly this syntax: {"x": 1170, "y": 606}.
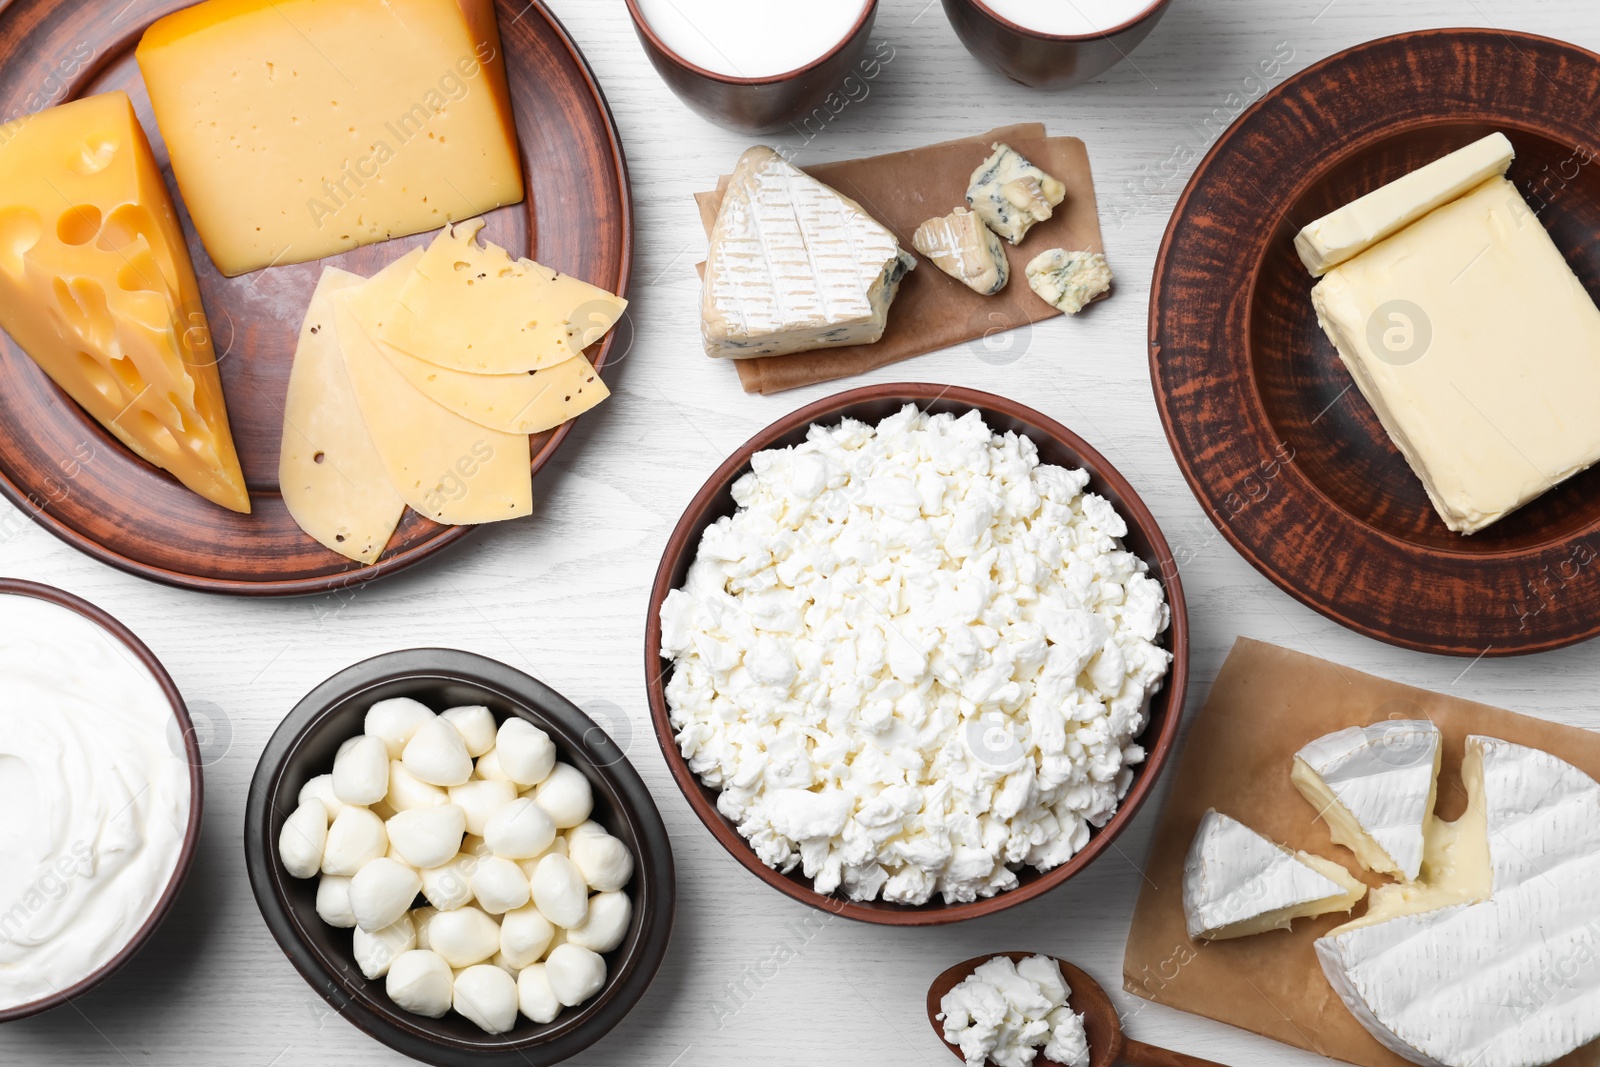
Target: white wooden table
{"x": 752, "y": 976}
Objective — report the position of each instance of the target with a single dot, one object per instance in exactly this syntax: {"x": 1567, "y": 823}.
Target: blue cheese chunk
{"x": 964, "y": 248}
{"x": 1068, "y": 281}
{"x": 795, "y": 265}
{"x": 1010, "y": 194}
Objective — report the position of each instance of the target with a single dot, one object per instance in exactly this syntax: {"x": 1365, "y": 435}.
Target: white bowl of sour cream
{"x": 100, "y": 796}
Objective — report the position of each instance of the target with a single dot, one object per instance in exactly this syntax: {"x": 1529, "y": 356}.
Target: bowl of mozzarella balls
{"x": 459, "y": 860}
{"x": 916, "y": 654}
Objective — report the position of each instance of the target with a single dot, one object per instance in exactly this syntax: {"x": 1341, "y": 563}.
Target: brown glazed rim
{"x": 685, "y": 538}
{"x": 1007, "y": 24}
{"x": 1187, "y": 464}
{"x": 191, "y": 745}
{"x": 656, "y": 42}
{"x": 336, "y": 582}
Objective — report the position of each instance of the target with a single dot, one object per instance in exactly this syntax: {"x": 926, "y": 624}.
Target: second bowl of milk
{"x": 1053, "y": 43}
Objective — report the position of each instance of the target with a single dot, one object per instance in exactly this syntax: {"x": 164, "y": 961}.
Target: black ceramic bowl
{"x": 303, "y": 747}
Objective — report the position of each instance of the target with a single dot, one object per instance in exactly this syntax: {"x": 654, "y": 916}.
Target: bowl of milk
{"x": 1050, "y": 44}
{"x": 759, "y": 67}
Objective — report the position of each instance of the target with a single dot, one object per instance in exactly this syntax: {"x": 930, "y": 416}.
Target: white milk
{"x": 1070, "y": 17}
{"x": 751, "y": 38}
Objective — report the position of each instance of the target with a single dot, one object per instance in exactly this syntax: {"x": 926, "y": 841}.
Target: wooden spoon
{"x": 1107, "y": 1044}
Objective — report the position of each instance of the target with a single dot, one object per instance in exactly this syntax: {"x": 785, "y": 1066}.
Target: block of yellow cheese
{"x": 97, "y": 286}
{"x": 445, "y": 466}
{"x": 332, "y": 478}
{"x": 303, "y": 128}
{"x": 472, "y": 307}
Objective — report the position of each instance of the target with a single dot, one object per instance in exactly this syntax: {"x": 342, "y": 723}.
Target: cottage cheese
{"x": 1006, "y": 1012}
{"x": 915, "y": 660}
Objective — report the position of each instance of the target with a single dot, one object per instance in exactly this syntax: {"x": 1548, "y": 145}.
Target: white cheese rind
{"x": 1382, "y": 780}
{"x": 795, "y": 265}
{"x": 1360, "y": 224}
{"x": 1512, "y": 981}
{"x": 1479, "y": 350}
{"x": 1237, "y": 882}
{"x": 964, "y": 248}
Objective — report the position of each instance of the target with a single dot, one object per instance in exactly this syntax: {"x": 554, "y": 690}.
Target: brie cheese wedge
{"x": 1495, "y": 960}
{"x": 795, "y": 265}
{"x": 964, "y": 248}
{"x": 1375, "y": 787}
{"x": 1237, "y": 882}
{"x": 1010, "y": 194}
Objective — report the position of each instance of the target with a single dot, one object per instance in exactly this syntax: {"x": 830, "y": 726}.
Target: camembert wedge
{"x": 1375, "y": 787}
{"x": 1237, "y": 882}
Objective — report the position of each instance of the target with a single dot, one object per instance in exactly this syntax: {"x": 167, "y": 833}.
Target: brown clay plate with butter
{"x": 1286, "y": 457}
{"x": 74, "y": 479}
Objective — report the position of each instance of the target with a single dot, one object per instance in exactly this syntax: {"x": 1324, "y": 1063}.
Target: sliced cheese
{"x": 97, "y": 287}
{"x": 303, "y": 128}
{"x": 512, "y": 403}
{"x": 444, "y": 466}
{"x": 1360, "y": 224}
{"x": 473, "y": 308}
{"x": 332, "y": 478}
{"x": 1375, "y": 787}
{"x": 1237, "y": 883}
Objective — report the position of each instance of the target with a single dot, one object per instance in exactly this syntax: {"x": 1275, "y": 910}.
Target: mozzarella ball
{"x": 604, "y": 860}
{"x": 524, "y": 752}
{"x": 487, "y": 995}
{"x": 560, "y": 891}
{"x": 376, "y": 951}
{"x": 464, "y": 936}
{"x": 345, "y": 746}
{"x": 381, "y": 892}
{"x": 488, "y": 766}
{"x": 499, "y": 885}
{"x": 304, "y": 839}
{"x": 420, "y": 918}
{"x": 333, "y": 901}
{"x": 520, "y": 830}
{"x": 566, "y": 795}
{"x": 558, "y": 847}
{"x": 437, "y": 755}
{"x": 476, "y": 725}
{"x": 534, "y": 996}
{"x": 428, "y": 837}
{"x": 361, "y": 773}
{"x": 525, "y": 935}
{"x": 588, "y": 826}
{"x": 575, "y": 974}
{"x": 603, "y": 929}
{"x": 396, "y": 721}
{"x": 321, "y": 788}
{"x": 480, "y": 800}
{"x": 449, "y": 885}
{"x": 421, "y": 982}
{"x": 355, "y": 839}
{"x": 407, "y": 791}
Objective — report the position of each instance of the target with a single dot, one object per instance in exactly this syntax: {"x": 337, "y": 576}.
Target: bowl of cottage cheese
{"x": 100, "y": 785}
{"x": 916, "y": 654}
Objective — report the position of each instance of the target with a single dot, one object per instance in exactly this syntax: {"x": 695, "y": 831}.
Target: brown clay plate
{"x": 1057, "y": 445}
{"x": 78, "y": 482}
{"x": 1285, "y": 456}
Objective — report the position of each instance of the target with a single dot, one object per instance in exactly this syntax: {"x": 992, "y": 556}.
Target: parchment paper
{"x": 1265, "y": 705}
{"x": 933, "y": 310}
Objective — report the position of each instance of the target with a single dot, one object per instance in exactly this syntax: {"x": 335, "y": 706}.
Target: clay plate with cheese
{"x": 67, "y": 473}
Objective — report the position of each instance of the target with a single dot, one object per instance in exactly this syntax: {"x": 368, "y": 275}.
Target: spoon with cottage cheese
{"x": 1017, "y": 1009}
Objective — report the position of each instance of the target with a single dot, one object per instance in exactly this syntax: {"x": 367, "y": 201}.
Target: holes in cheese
{"x": 97, "y": 287}
{"x": 512, "y": 403}
{"x": 333, "y": 480}
{"x": 473, "y": 308}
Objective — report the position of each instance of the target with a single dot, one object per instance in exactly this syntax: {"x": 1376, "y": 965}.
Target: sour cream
{"x": 751, "y": 38}
{"x": 1069, "y": 18}
{"x": 94, "y": 798}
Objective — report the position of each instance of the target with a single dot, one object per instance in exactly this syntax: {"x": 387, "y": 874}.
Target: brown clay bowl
{"x": 191, "y": 748}
{"x": 1057, "y": 445}
{"x": 1286, "y": 457}
{"x": 1045, "y": 60}
{"x": 764, "y": 105}
{"x": 303, "y": 747}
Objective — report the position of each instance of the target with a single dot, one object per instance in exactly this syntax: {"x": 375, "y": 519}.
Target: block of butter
{"x": 1478, "y": 348}
{"x": 1362, "y": 223}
